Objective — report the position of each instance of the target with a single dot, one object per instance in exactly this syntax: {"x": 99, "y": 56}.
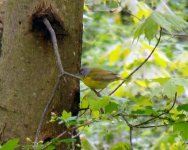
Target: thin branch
{"x": 175, "y": 34}
{"x": 119, "y": 4}
{"x": 167, "y": 111}
{"x": 74, "y": 128}
{"x": 55, "y": 46}
{"x": 107, "y": 10}
{"x": 145, "y": 122}
{"x": 56, "y": 50}
{"x": 72, "y": 75}
{"x": 135, "y": 115}
{"x": 97, "y": 93}
{"x": 137, "y": 68}
{"x": 153, "y": 126}
{"x": 62, "y": 72}
{"x": 83, "y": 109}
{"x": 45, "y": 111}
{"x": 66, "y": 131}
{"x": 125, "y": 119}
{"x": 130, "y": 137}
{"x": 174, "y": 102}
{"x": 77, "y": 135}
{"x": 130, "y": 130}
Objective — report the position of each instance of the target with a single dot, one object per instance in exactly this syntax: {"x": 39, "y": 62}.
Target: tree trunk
{"x": 28, "y": 69}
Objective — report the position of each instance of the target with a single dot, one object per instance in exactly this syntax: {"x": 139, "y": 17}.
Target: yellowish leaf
{"x": 115, "y": 54}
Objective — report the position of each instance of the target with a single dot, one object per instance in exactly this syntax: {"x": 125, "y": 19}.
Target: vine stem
{"x": 66, "y": 131}
{"x": 45, "y": 111}
{"x": 62, "y": 73}
{"x": 137, "y": 68}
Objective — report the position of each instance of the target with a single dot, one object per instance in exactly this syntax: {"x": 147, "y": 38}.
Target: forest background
{"x": 145, "y": 42}
{"x": 110, "y": 42}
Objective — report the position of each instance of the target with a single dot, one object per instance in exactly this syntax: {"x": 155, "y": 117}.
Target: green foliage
{"x": 147, "y": 99}
{"x": 10, "y": 145}
{"x": 108, "y": 43}
{"x": 181, "y": 128}
{"x": 120, "y": 146}
{"x": 183, "y": 107}
{"x": 149, "y": 27}
{"x": 111, "y": 107}
{"x": 66, "y": 115}
{"x": 87, "y": 145}
{"x": 169, "y": 86}
{"x": 96, "y": 103}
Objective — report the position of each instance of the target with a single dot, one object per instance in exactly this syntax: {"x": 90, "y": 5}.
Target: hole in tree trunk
{"x": 38, "y": 27}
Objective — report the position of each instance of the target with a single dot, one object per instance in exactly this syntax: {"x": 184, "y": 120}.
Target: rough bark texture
{"x": 28, "y": 69}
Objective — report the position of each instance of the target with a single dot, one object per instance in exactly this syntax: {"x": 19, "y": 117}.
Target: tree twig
{"x": 119, "y": 4}
{"x": 55, "y": 45}
{"x": 130, "y": 137}
{"x": 125, "y": 119}
{"x": 175, "y": 34}
{"x": 140, "y": 125}
{"x": 97, "y": 93}
{"x": 72, "y": 75}
{"x": 153, "y": 126}
{"x": 62, "y": 72}
{"x": 137, "y": 68}
{"x": 66, "y": 131}
{"x": 45, "y": 111}
{"x": 151, "y": 119}
{"x": 84, "y": 111}
{"x": 56, "y": 50}
{"x": 130, "y": 130}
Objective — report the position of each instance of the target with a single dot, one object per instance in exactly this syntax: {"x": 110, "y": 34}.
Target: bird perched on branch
{"x": 96, "y": 78}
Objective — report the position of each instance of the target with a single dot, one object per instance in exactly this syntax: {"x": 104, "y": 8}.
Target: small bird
{"x": 96, "y": 78}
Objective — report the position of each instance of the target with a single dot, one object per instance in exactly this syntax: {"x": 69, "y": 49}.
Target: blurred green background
{"x": 108, "y": 43}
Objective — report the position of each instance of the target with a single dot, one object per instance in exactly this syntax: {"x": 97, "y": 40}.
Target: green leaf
{"x": 151, "y": 29}
{"x": 84, "y": 102}
{"x": 68, "y": 119}
{"x": 165, "y": 138}
{"x": 181, "y": 116}
{"x": 148, "y": 110}
{"x": 169, "y": 89}
{"x": 86, "y": 144}
{"x": 138, "y": 111}
{"x": 50, "y": 147}
{"x": 183, "y": 107}
{"x": 111, "y": 107}
{"x": 95, "y": 114}
{"x": 148, "y": 27}
{"x": 139, "y": 30}
{"x": 180, "y": 81}
{"x": 65, "y": 115}
{"x": 120, "y": 146}
{"x": 99, "y": 102}
{"x": 160, "y": 80}
{"x": 181, "y": 128}
{"x": 169, "y": 86}
{"x": 67, "y": 141}
{"x": 10, "y": 145}
{"x": 170, "y": 22}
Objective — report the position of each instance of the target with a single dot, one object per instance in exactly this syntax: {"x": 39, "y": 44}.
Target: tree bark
{"x": 28, "y": 69}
